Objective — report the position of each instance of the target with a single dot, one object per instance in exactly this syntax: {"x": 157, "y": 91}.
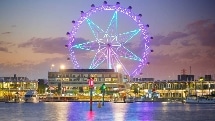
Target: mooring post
{"x": 91, "y": 83}
{"x": 91, "y": 90}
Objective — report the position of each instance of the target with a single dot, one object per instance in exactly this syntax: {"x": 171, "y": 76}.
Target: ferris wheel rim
{"x": 118, "y": 8}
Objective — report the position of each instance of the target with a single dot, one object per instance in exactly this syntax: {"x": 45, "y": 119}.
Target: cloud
{"x": 31, "y": 69}
{"x": 57, "y": 46}
{"x": 46, "y": 45}
{"x": 204, "y": 30}
{"x": 13, "y": 26}
{"x": 166, "y": 40}
{"x": 49, "y": 45}
{"x": 6, "y": 33}
{"x": 3, "y": 49}
{"x": 192, "y": 47}
{"x": 5, "y": 45}
{"x": 195, "y": 43}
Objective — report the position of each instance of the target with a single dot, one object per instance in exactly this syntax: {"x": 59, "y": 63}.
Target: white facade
{"x": 69, "y": 79}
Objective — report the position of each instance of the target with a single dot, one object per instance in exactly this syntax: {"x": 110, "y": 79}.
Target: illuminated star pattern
{"x": 109, "y": 45}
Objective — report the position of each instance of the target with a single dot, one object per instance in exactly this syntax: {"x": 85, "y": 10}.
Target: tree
{"x": 42, "y": 86}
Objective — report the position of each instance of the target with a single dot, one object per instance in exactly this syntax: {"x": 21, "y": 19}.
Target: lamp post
{"x": 118, "y": 67}
{"x": 91, "y": 83}
{"x": 102, "y": 88}
{"x": 52, "y": 66}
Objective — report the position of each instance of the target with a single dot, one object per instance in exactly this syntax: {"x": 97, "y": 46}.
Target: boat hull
{"x": 129, "y": 100}
{"x": 200, "y": 100}
{"x": 31, "y": 97}
{"x": 32, "y": 100}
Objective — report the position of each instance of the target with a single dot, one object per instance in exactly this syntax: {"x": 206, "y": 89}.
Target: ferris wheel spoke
{"x": 125, "y": 37}
{"x": 116, "y": 58}
{"x": 112, "y": 28}
{"x": 125, "y": 53}
{"x": 98, "y": 59}
{"x": 96, "y": 30}
{"x": 92, "y": 45}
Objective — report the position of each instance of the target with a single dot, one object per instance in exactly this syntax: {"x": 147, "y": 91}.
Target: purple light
{"x": 104, "y": 7}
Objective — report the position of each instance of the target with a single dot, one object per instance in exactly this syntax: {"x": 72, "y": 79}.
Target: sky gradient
{"x": 33, "y": 35}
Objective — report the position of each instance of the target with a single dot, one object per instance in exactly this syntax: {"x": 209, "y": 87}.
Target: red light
{"x": 90, "y": 82}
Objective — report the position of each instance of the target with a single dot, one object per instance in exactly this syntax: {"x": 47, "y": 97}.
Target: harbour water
{"x": 80, "y": 111}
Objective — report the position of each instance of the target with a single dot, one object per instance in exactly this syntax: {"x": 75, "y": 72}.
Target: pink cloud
{"x": 6, "y": 33}
{"x": 166, "y": 40}
{"x": 3, "y": 49}
{"x": 204, "y": 30}
{"x": 46, "y": 45}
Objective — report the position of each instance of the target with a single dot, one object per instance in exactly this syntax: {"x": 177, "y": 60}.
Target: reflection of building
{"x": 71, "y": 80}
{"x": 12, "y": 85}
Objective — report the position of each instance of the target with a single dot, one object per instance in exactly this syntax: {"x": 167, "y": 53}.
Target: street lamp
{"x": 52, "y": 66}
{"x": 118, "y": 66}
{"x": 62, "y": 67}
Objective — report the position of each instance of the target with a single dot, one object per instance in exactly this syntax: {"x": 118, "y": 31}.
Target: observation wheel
{"x": 109, "y": 37}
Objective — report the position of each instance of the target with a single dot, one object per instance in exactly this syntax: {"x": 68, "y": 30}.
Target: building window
{"x": 85, "y": 75}
{"x": 107, "y": 79}
{"x": 85, "y": 79}
{"x": 115, "y": 79}
{"x": 99, "y": 75}
{"x": 100, "y": 79}
{"x": 95, "y": 79}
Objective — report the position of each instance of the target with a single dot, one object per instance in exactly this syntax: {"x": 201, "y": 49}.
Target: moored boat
{"x": 31, "y": 97}
{"x": 200, "y": 100}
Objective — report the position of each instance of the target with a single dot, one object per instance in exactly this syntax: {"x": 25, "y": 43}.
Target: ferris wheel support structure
{"x": 112, "y": 46}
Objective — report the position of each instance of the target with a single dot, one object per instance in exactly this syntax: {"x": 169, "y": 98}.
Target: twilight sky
{"x": 33, "y": 35}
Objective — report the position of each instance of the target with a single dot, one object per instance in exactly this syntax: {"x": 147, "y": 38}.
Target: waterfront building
{"x": 9, "y": 86}
{"x": 73, "y": 81}
{"x": 173, "y": 88}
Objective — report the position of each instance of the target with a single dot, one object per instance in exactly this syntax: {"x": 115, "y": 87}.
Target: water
{"x": 80, "y": 111}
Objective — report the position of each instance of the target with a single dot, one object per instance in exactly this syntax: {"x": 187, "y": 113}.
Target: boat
{"x": 31, "y": 97}
{"x": 200, "y": 100}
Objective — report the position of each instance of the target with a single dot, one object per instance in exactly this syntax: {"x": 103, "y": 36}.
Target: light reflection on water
{"x": 79, "y": 111}
{"x": 119, "y": 111}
